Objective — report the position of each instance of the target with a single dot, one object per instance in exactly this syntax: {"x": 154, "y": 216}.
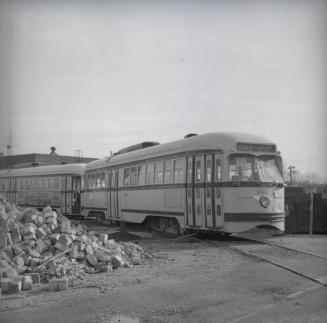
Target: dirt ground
{"x": 186, "y": 281}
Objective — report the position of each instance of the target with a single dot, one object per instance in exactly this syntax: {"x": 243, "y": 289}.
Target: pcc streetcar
{"x": 227, "y": 182}
{"x": 58, "y": 186}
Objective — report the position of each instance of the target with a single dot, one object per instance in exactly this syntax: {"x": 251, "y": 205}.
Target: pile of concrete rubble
{"x": 46, "y": 247}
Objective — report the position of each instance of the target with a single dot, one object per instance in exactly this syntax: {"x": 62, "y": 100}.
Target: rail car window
{"x": 159, "y": 173}
{"x": 149, "y": 174}
{"x": 98, "y": 180}
{"x": 243, "y": 168}
{"x": 198, "y": 171}
{"x": 102, "y": 179}
{"x": 141, "y": 175}
{"x": 218, "y": 170}
{"x": 179, "y": 171}
{"x": 127, "y": 176}
{"x": 133, "y": 175}
{"x": 168, "y": 172}
{"x": 208, "y": 170}
{"x": 269, "y": 169}
{"x": 93, "y": 181}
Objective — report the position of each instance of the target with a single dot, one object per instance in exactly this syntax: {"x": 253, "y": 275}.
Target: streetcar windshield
{"x": 250, "y": 168}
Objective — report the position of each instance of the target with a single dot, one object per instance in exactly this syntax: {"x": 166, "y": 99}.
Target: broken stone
{"x": 110, "y": 244}
{"x": 51, "y": 220}
{"x": 35, "y": 262}
{"x": 65, "y": 225}
{"x": 27, "y": 283}
{"x": 60, "y": 246}
{"x": 51, "y": 226}
{"x": 19, "y": 261}
{"x": 30, "y": 218}
{"x": 27, "y": 259}
{"x": 136, "y": 260}
{"x": 41, "y": 245}
{"x": 54, "y": 237}
{"x": 33, "y": 253}
{"x": 117, "y": 261}
{"x": 89, "y": 249}
{"x": 57, "y": 284}
{"x": 74, "y": 252}
{"x": 5, "y": 284}
{"x": 8, "y": 250}
{"x": 103, "y": 237}
{"x": 40, "y": 233}
{"x": 3, "y": 239}
{"x": 15, "y": 287}
{"x": 15, "y": 235}
{"x": 28, "y": 229}
{"x": 102, "y": 256}
{"x": 103, "y": 268}
{"x": 30, "y": 237}
{"x": 35, "y": 277}
{"x": 80, "y": 256}
{"x": 81, "y": 246}
{"x": 65, "y": 239}
{"x": 92, "y": 260}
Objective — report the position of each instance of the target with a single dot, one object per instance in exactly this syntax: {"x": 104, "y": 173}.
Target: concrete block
{"x": 51, "y": 220}
{"x": 65, "y": 225}
{"x": 57, "y": 284}
{"x": 3, "y": 239}
{"x": 5, "y": 283}
{"x": 80, "y": 256}
{"x": 65, "y": 239}
{"x": 31, "y": 236}
{"x": 27, "y": 283}
{"x": 54, "y": 237}
{"x": 60, "y": 246}
{"x": 51, "y": 226}
{"x": 41, "y": 245}
{"x": 9, "y": 252}
{"x": 30, "y": 218}
{"x": 103, "y": 237}
{"x": 35, "y": 262}
{"x": 74, "y": 252}
{"x": 27, "y": 259}
{"x": 28, "y": 229}
{"x": 89, "y": 250}
{"x": 136, "y": 260}
{"x": 15, "y": 287}
{"x": 102, "y": 256}
{"x": 40, "y": 233}
{"x": 35, "y": 277}
{"x": 33, "y": 253}
{"x": 92, "y": 260}
{"x": 19, "y": 261}
{"x": 15, "y": 235}
{"x": 117, "y": 261}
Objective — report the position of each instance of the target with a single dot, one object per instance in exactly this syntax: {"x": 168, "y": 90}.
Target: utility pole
{"x": 291, "y": 168}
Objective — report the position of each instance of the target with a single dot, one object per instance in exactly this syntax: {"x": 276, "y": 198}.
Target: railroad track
{"x": 305, "y": 264}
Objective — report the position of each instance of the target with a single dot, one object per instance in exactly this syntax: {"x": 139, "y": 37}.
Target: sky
{"x": 103, "y": 75}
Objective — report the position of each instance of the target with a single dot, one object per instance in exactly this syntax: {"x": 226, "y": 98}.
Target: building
{"x": 30, "y": 160}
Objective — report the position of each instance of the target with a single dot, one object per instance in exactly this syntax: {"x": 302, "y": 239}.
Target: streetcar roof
{"x": 223, "y": 141}
{"x": 73, "y": 169}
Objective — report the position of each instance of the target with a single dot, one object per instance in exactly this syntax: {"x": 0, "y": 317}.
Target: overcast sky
{"x": 102, "y": 75}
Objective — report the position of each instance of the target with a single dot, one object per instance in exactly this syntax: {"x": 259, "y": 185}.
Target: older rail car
{"x": 227, "y": 182}
{"x": 58, "y": 186}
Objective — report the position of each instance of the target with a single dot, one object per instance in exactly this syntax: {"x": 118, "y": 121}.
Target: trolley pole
{"x": 291, "y": 168}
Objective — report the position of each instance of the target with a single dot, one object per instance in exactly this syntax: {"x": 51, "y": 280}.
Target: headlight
{"x": 264, "y": 201}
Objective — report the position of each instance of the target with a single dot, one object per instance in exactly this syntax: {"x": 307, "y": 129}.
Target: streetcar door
{"x": 199, "y": 191}
{"x": 218, "y": 220}
{"x": 114, "y": 194}
{"x": 190, "y": 192}
{"x": 76, "y": 195}
{"x": 209, "y": 191}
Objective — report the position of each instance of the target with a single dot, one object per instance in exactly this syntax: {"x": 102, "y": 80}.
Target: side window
{"x": 127, "y": 176}
{"x": 141, "y": 175}
{"x": 179, "y": 171}
{"x": 168, "y": 173}
{"x": 159, "y": 173}
{"x": 149, "y": 173}
{"x": 98, "y": 180}
{"x": 103, "y": 180}
{"x": 208, "y": 170}
{"x": 133, "y": 175}
{"x": 198, "y": 171}
{"x": 93, "y": 181}
{"x": 218, "y": 170}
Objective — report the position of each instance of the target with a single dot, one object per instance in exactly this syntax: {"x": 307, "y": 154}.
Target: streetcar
{"x": 58, "y": 186}
{"x": 224, "y": 182}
